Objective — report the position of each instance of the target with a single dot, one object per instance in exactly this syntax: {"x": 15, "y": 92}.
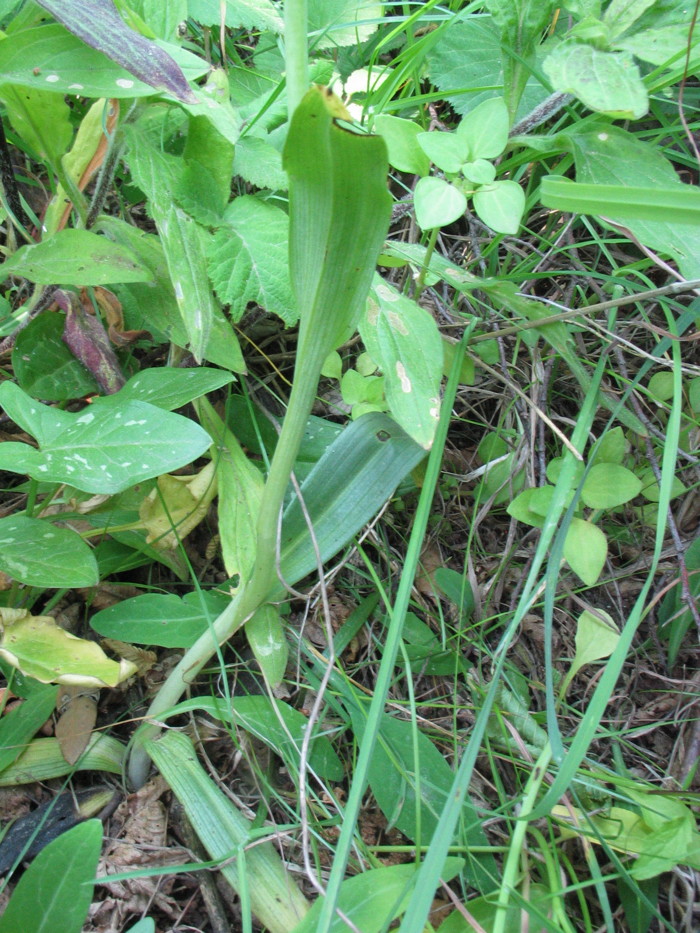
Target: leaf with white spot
{"x": 36, "y": 553}
{"x": 403, "y": 339}
{"x": 106, "y": 448}
{"x": 248, "y": 258}
{"x": 50, "y": 58}
{"x": 99, "y": 25}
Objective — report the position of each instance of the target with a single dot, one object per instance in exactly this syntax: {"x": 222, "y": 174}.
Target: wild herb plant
{"x": 176, "y": 197}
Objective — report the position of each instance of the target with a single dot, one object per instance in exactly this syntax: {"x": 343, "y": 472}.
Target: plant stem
{"x": 296, "y": 52}
{"x": 255, "y": 592}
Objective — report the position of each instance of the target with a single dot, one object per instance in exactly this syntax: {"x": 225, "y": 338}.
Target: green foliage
{"x": 190, "y": 215}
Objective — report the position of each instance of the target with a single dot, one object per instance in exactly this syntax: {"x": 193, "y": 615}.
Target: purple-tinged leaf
{"x": 99, "y": 25}
{"x": 87, "y": 340}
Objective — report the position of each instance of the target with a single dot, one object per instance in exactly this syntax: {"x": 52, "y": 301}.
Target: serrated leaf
{"x": 608, "y": 485}
{"x": 50, "y": 57}
{"x": 41, "y": 649}
{"x": 585, "y": 549}
{"x": 259, "y": 163}
{"x": 607, "y": 82}
{"x": 252, "y": 14}
{"x": 99, "y": 25}
{"x": 501, "y": 206}
{"x": 467, "y": 80}
{"x": 247, "y": 258}
{"x": 437, "y": 203}
{"x": 75, "y": 257}
{"x": 404, "y": 341}
{"x": 57, "y": 884}
{"x": 332, "y": 23}
{"x": 36, "y": 553}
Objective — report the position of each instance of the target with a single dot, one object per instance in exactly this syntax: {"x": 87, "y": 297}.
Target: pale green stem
{"x": 296, "y": 53}
{"x": 255, "y": 592}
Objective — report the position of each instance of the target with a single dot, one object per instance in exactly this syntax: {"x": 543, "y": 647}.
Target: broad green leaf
{"x": 259, "y": 163}
{"x": 484, "y": 910}
{"x": 75, "y": 257}
{"x": 20, "y": 724}
{"x": 437, "y": 203}
{"x": 145, "y": 925}
{"x": 49, "y": 57}
{"x": 275, "y": 900}
{"x": 36, "y": 553}
{"x": 479, "y": 172}
{"x": 531, "y": 505}
{"x": 247, "y": 258}
{"x": 661, "y": 386}
{"x": 206, "y": 149}
{"x": 501, "y": 206}
{"x": 57, "y": 884}
{"x": 44, "y": 366}
{"x": 337, "y": 22}
{"x": 160, "y": 618}
{"x": 457, "y": 589}
{"x": 467, "y": 80}
{"x": 607, "y": 82}
{"x": 162, "y": 18}
{"x": 266, "y": 637}
{"x": 331, "y": 267}
{"x": 609, "y": 484}
{"x": 485, "y": 129}
{"x": 252, "y": 14}
{"x": 41, "y": 118}
{"x": 447, "y": 150}
{"x": 596, "y": 638}
{"x": 101, "y": 27}
{"x": 677, "y": 205}
{"x": 660, "y": 44}
{"x": 353, "y": 479}
{"x": 585, "y": 549}
{"x": 43, "y": 760}
{"x": 413, "y": 800}
{"x": 41, "y": 649}
{"x": 240, "y": 493}
{"x": 278, "y": 725}
{"x": 521, "y": 24}
{"x": 371, "y": 900}
{"x": 403, "y": 340}
{"x": 106, "y": 448}
{"x": 170, "y": 388}
{"x": 400, "y": 136}
{"x": 621, "y": 14}
{"x": 612, "y": 447}
{"x": 650, "y": 486}
{"x": 153, "y": 306}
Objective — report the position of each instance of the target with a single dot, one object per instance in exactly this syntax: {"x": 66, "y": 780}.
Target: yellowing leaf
{"x": 40, "y": 648}
{"x": 177, "y": 505}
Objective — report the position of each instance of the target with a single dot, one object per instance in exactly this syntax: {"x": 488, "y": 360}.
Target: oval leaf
{"x": 501, "y": 206}
{"x": 39, "y": 554}
{"x": 585, "y": 549}
{"x": 608, "y": 485}
{"x": 437, "y": 203}
{"x": 267, "y": 639}
{"x": 75, "y": 257}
